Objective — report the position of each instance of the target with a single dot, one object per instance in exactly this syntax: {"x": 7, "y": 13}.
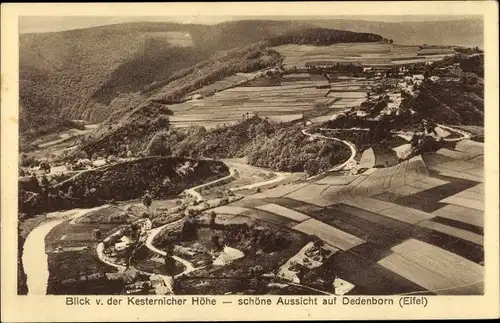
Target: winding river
{"x": 35, "y": 259}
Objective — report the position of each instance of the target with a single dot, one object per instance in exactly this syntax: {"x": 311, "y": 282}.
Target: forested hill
{"x": 324, "y": 37}
{"x": 93, "y": 72}
{"x": 75, "y": 74}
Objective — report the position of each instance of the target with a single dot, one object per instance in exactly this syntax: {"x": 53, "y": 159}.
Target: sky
{"x": 37, "y": 24}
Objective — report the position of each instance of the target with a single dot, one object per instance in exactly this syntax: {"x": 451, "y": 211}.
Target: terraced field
{"x": 286, "y": 99}
{"x": 416, "y": 227}
{"x": 372, "y": 54}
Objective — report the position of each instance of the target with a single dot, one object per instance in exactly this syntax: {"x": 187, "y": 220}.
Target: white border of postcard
{"x": 52, "y": 308}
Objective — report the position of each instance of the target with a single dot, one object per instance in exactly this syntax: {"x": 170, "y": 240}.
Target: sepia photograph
{"x": 302, "y": 156}
{"x": 335, "y": 155}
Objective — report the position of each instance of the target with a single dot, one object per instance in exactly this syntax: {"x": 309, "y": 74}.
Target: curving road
{"x": 149, "y": 243}
{"x": 345, "y": 142}
{"x": 193, "y": 191}
{"x": 465, "y": 134}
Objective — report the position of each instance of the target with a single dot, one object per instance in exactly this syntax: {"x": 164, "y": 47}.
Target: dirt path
{"x": 168, "y": 280}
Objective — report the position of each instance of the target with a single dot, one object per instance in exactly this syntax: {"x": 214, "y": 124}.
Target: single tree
{"x": 96, "y": 235}
{"x": 213, "y": 215}
{"x": 147, "y": 201}
{"x": 158, "y": 146}
{"x": 217, "y": 246}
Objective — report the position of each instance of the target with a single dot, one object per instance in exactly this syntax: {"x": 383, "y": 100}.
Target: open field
{"x": 364, "y": 53}
{"x": 174, "y": 38}
{"x": 334, "y": 237}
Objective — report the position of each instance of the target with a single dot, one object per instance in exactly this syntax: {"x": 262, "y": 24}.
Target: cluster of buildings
{"x": 392, "y": 107}
{"x": 408, "y": 85}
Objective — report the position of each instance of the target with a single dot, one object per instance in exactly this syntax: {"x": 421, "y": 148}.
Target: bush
{"x": 162, "y": 122}
{"x": 158, "y": 146}
{"x": 28, "y": 161}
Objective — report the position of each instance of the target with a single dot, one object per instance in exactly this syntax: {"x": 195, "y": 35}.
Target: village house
{"x": 361, "y": 113}
{"x": 146, "y": 225}
{"x": 124, "y": 242}
{"x": 341, "y": 286}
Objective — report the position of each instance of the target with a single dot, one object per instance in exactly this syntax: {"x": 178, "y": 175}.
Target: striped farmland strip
{"x": 283, "y": 211}
{"x": 462, "y": 214}
{"x": 435, "y": 269}
{"x": 460, "y": 200}
{"x": 312, "y": 194}
{"x": 226, "y": 209}
{"x": 269, "y": 217}
{"x": 440, "y": 260}
{"x": 369, "y": 204}
{"x": 459, "y": 225}
{"x": 369, "y": 277}
{"x": 439, "y": 284}
{"x": 373, "y": 217}
{"x": 454, "y": 154}
{"x": 427, "y": 183}
{"x": 452, "y": 231}
{"x": 329, "y": 234}
{"x": 406, "y": 214}
{"x": 357, "y": 226}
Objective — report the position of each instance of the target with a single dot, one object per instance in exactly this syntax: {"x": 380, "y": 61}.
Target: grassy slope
{"x": 76, "y": 74}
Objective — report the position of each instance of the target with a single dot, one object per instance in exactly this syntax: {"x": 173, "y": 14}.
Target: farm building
{"x": 361, "y": 113}
{"x": 341, "y": 286}
{"x": 146, "y": 225}
{"x": 227, "y": 256}
{"x": 124, "y": 243}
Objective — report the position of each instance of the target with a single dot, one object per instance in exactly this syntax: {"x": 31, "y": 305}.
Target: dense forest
{"x": 323, "y": 37}
{"x": 451, "y": 102}
{"x": 94, "y": 72}
{"x": 162, "y": 176}
{"x": 281, "y": 147}
{"x": 77, "y": 74}
{"x": 458, "y": 100}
